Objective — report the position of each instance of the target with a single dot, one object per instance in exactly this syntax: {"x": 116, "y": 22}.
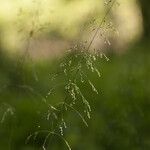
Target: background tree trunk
{"x": 145, "y": 6}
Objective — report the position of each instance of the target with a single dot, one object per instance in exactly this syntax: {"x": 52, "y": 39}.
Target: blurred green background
{"x": 120, "y": 117}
